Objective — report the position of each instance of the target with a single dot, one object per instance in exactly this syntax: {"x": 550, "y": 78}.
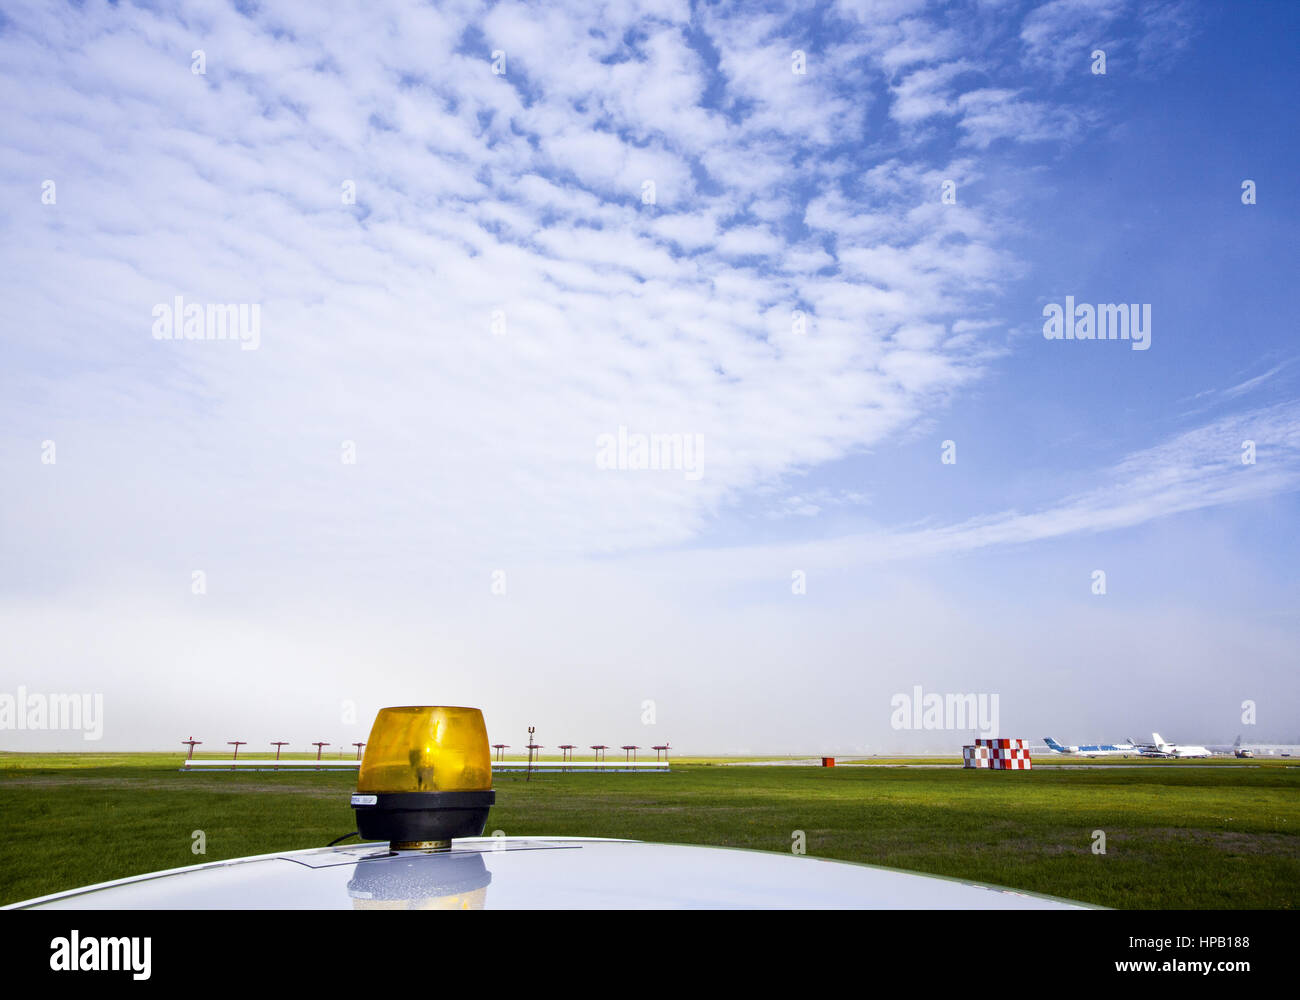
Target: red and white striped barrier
{"x": 976, "y": 757}
{"x": 999, "y": 754}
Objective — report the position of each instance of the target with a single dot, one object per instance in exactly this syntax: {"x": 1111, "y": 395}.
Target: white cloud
{"x": 1061, "y": 34}
{"x": 1195, "y": 470}
{"x": 741, "y": 241}
{"x": 926, "y": 92}
{"x": 991, "y": 114}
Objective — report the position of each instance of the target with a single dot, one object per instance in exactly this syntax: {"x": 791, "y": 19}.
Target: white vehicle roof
{"x": 540, "y": 873}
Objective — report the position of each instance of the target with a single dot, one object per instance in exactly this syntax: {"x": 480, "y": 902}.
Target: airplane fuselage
{"x": 1173, "y": 751}
{"x": 1162, "y": 749}
{"x": 1094, "y": 749}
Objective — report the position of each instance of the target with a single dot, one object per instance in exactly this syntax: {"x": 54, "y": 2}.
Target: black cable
{"x": 344, "y": 837}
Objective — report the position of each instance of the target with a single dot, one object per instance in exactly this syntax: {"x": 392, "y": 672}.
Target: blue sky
{"x": 501, "y": 294}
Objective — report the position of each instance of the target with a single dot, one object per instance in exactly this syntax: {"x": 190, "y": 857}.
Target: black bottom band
{"x": 421, "y": 816}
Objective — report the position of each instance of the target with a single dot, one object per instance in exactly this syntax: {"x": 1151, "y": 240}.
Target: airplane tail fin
{"x": 1155, "y": 737}
{"x": 1052, "y": 745}
{"x": 1238, "y": 743}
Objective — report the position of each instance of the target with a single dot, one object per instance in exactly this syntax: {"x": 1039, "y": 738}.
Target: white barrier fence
{"x": 272, "y": 765}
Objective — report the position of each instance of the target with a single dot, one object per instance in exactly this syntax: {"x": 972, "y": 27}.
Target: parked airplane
{"x": 1162, "y": 749}
{"x": 1095, "y": 749}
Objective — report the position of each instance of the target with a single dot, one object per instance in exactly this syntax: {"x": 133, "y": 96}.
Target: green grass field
{"x": 1176, "y": 835}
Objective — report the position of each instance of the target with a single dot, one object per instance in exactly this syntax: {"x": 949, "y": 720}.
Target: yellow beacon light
{"x": 426, "y": 777}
